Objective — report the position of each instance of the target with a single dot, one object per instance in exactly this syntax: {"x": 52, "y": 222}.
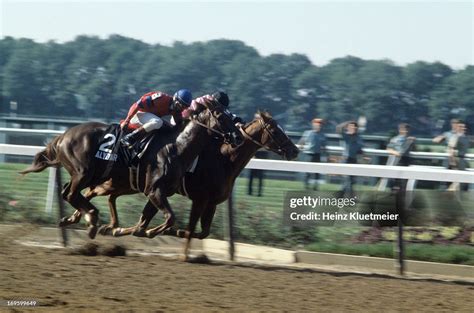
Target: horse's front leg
{"x": 207, "y": 216}
{"x": 206, "y": 220}
{"x": 114, "y": 222}
{"x": 196, "y": 211}
{"x": 161, "y": 202}
{"x": 138, "y": 230}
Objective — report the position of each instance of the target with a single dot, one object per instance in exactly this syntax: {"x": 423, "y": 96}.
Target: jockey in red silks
{"x": 147, "y": 113}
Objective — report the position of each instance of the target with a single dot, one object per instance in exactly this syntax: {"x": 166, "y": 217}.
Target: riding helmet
{"x": 184, "y": 97}
{"x": 221, "y": 97}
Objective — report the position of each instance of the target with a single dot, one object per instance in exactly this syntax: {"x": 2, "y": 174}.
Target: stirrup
{"x": 126, "y": 143}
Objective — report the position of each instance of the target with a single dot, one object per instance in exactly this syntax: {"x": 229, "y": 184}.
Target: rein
{"x": 278, "y": 150}
{"x": 209, "y": 128}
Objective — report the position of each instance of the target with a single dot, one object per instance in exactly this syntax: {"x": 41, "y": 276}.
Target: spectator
{"x": 446, "y": 137}
{"x": 258, "y": 174}
{"x": 458, "y": 146}
{"x": 352, "y": 144}
{"x": 400, "y": 146}
{"x": 314, "y": 143}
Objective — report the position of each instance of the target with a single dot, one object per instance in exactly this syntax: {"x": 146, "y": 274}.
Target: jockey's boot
{"x": 130, "y": 139}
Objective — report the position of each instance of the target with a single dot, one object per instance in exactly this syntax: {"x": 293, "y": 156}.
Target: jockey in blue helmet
{"x": 146, "y": 114}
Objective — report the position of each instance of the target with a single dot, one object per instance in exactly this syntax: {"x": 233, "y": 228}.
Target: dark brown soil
{"x": 61, "y": 281}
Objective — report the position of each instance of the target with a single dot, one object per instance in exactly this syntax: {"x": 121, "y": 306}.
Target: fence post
{"x": 61, "y": 210}
{"x": 400, "y": 203}
{"x": 230, "y": 228}
{"x": 51, "y": 190}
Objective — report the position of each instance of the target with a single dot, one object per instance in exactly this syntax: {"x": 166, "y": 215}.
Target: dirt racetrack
{"x": 60, "y": 282}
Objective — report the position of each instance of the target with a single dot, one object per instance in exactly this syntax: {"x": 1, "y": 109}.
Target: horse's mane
{"x": 265, "y": 114}
{"x": 185, "y": 133}
{"x": 262, "y": 113}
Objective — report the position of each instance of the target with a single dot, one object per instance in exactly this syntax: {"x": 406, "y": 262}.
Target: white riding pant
{"x": 148, "y": 121}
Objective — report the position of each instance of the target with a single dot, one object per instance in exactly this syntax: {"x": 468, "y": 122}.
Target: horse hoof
{"x": 183, "y": 258}
{"x": 117, "y": 232}
{"x": 181, "y": 233}
{"x": 140, "y": 232}
{"x": 92, "y": 231}
{"x": 106, "y": 230}
{"x": 150, "y": 234}
{"x": 63, "y": 222}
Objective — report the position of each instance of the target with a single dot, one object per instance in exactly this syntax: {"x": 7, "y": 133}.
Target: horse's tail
{"x": 45, "y": 158}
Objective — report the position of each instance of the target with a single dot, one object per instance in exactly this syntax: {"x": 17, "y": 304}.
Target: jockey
{"x": 218, "y": 97}
{"x": 146, "y": 114}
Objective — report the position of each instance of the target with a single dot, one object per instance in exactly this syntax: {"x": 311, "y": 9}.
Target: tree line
{"x": 100, "y": 78}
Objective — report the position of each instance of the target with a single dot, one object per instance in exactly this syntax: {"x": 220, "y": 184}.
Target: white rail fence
{"x": 382, "y": 171}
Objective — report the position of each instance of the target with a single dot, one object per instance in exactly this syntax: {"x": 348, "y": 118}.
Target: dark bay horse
{"x": 219, "y": 166}
{"x": 162, "y": 165}
{"x": 214, "y": 177}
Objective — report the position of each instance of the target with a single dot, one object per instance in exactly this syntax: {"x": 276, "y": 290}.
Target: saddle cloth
{"x": 111, "y": 152}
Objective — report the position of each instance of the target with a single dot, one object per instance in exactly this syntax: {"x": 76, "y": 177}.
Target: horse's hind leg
{"x": 77, "y": 200}
{"x": 73, "y": 219}
{"x": 76, "y": 216}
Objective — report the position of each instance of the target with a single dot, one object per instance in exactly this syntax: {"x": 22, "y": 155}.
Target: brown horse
{"x": 213, "y": 179}
{"x": 219, "y": 165}
{"x": 162, "y": 166}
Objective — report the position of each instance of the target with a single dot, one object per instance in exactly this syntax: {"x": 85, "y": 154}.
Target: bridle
{"x": 220, "y": 133}
{"x": 265, "y": 125}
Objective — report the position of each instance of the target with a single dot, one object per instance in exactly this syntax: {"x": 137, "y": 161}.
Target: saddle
{"x": 111, "y": 152}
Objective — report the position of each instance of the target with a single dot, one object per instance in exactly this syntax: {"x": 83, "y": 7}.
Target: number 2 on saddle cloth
{"x": 111, "y": 153}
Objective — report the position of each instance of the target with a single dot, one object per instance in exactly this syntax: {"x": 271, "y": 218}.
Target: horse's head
{"x": 220, "y": 124}
{"x": 271, "y": 136}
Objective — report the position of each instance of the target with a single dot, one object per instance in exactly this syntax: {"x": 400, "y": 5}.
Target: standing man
{"x": 400, "y": 147}
{"x": 257, "y": 174}
{"x": 446, "y": 137}
{"x": 352, "y": 144}
{"x": 458, "y": 146}
{"x": 314, "y": 143}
